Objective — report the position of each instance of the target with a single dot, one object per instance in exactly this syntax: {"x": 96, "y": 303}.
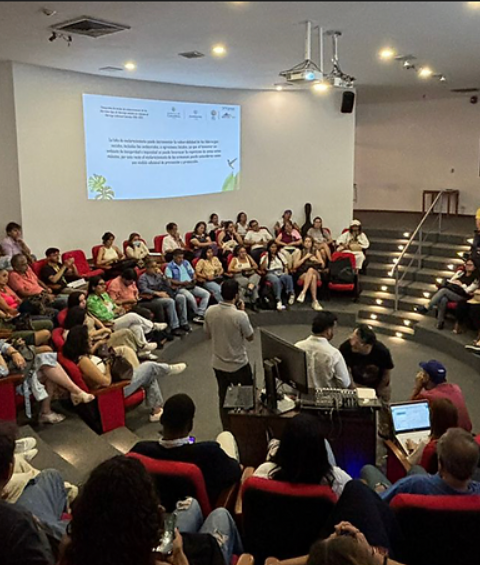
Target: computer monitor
{"x": 293, "y": 367}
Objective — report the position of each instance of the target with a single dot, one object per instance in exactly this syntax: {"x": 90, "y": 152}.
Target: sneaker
{"x": 150, "y": 346}
{"x": 440, "y": 325}
{"x": 280, "y": 306}
{"x": 81, "y": 398}
{"x": 291, "y": 299}
{"x": 317, "y": 306}
{"x": 147, "y": 356}
{"x": 177, "y": 368}
{"x": 301, "y": 298}
{"x": 30, "y": 454}
{"x": 51, "y": 418}
{"x": 169, "y": 336}
{"x": 72, "y": 493}
{"x": 186, "y": 328}
{"x": 474, "y": 348}
{"x": 156, "y": 417}
{"x": 199, "y": 320}
{"x": 179, "y": 332}
{"x": 25, "y": 444}
{"x": 421, "y": 310}
{"x": 159, "y": 326}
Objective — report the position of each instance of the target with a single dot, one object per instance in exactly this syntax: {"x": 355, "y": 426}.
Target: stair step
{"x": 428, "y": 247}
{"x": 388, "y": 300}
{"x": 391, "y": 329}
{"x": 390, "y": 316}
{"x": 121, "y": 439}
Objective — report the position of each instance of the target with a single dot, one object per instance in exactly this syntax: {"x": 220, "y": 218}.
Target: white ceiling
{"x": 262, "y": 38}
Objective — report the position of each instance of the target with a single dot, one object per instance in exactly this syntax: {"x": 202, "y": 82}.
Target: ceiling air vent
{"x": 192, "y": 55}
{"x": 111, "y": 69}
{"x": 89, "y": 26}
{"x": 464, "y": 90}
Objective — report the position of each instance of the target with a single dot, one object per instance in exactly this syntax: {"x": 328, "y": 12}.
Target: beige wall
{"x": 296, "y": 148}
{"x": 403, "y": 148}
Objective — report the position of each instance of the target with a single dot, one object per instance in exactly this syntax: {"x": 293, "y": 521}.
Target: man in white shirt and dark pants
{"x": 228, "y": 326}
{"x": 326, "y": 367}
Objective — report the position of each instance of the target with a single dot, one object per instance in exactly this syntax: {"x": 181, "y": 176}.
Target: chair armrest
{"x": 246, "y": 559}
{"x": 115, "y": 386}
{"x": 12, "y": 379}
{"x": 228, "y": 497}
{"x": 292, "y": 561}
{"x": 398, "y": 453}
{"x": 247, "y": 473}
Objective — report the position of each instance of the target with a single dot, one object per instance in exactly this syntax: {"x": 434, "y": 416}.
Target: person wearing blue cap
{"x": 431, "y": 383}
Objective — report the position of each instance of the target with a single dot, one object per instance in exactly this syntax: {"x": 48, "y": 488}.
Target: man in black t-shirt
{"x": 55, "y": 275}
{"x": 370, "y": 364}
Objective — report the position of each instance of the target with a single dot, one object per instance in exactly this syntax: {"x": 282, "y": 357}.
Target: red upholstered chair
{"x": 439, "y": 530}
{"x": 397, "y": 463}
{"x": 175, "y": 480}
{"x": 9, "y": 400}
{"x": 341, "y": 287}
{"x": 95, "y": 252}
{"x": 62, "y": 316}
{"x": 38, "y": 265}
{"x": 188, "y": 237}
{"x": 158, "y": 242}
{"x": 83, "y": 268}
{"x": 282, "y": 519}
{"x": 107, "y": 412}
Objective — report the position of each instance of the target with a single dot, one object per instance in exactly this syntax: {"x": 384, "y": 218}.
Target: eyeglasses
{"x": 101, "y": 284}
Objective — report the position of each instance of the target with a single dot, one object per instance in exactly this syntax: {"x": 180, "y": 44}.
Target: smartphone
{"x": 165, "y": 547}
{"x": 191, "y": 439}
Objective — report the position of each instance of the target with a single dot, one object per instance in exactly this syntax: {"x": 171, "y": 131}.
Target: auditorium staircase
{"x": 439, "y": 258}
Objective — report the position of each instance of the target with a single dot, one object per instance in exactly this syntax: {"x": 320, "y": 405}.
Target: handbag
{"x": 456, "y": 289}
{"x": 28, "y": 353}
{"x": 23, "y": 322}
{"x": 120, "y": 368}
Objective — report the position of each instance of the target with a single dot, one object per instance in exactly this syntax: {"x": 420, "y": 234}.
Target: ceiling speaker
{"x": 348, "y": 101}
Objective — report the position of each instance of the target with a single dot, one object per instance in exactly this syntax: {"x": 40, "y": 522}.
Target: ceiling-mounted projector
{"x": 308, "y": 72}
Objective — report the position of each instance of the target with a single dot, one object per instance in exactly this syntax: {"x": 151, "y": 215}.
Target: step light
{"x": 426, "y": 294}
{"x": 373, "y": 316}
{"x": 451, "y": 267}
{"x": 470, "y": 241}
{"x": 460, "y": 253}
{"x": 439, "y": 280}
{"x": 390, "y": 273}
{"x": 399, "y": 334}
{"x": 384, "y": 288}
{"x": 395, "y": 261}
{"x": 407, "y": 322}
{"x": 379, "y": 301}
{"x": 400, "y": 247}
{"x": 406, "y": 234}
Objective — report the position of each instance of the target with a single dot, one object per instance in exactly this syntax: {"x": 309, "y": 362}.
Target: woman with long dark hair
{"x": 201, "y": 240}
{"x": 209, "y": 273}
{"x": 308, "y": 263}
{"x": 275, "y": 267}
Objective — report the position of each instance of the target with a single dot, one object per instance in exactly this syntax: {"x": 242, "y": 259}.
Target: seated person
{"x": 111, "y": 259}
{"x": 467, "y": 315}
{"x": 322, "y": 238}
{"x": 275, "y": 266}
{"x": 23, "y": 537}
{"x": 47, "y": 374}
{"x": 310, "y": 268}
{"x": 458, "y": 288}
{"x": 212, "y": 226}
{"x": 174, "y": 241}
{"x": 326, "y": 366}
{"x": 256, "y": 239}
{"x": 370, "y": 365}
{"x": 431, "y": 383}
{"x": 303, "y": 456}
{"x": 154, "y": 286}
{"x": 103, "y": 308}
{"x": 458, "y": 456}
{"x": 124, "y": 292}
{"x": 288, "y": 238}
{"x": 10, "y": 306}
{"x": 102, "y": 531}
{"x": 245, "y": 272}
{"x": 27, "y": 285}
{"x": 13, "y": 244}
{"x": 200, "y": 240}
{"x": 57, "y": 275}
{"x": 136, "y": 249}
{"x": 241, "y": 224}
{"x": 220, "y": 468}
{"x": 97, "y": 374}
{"x": 209, "y": 272}
{"x": 354, "y": 241}
{"x": 228, "y": 239}
{"x": 287, "y": 216}
{"x": 181, "y": 276}
{"x": 443, "y": 416}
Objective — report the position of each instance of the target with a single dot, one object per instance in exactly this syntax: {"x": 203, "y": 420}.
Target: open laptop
{"x": 242, "y": 397}
{"x": 411, "y": 420}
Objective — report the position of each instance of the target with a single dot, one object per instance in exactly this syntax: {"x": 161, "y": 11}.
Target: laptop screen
{"x": 410, "y": 416}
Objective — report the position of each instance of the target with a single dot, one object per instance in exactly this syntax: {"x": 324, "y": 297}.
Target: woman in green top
{"x": 100, "y": 305}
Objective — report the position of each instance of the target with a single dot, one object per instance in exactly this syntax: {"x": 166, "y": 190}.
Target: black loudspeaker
{"x": 348, "y": 101}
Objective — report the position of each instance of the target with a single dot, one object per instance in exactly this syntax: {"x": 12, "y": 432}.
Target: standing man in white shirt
{"x": 228, "y": 326}
{"x": 326, "y": 367}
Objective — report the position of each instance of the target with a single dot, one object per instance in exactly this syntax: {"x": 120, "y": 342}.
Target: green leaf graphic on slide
{"x": 98, "y": 185}
{"x": 231, "y": 182}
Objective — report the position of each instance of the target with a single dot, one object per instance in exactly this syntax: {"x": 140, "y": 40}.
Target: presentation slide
{"x": 139, "y": 148}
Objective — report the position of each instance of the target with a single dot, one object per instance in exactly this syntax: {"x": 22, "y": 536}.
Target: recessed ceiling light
{"x": 320, "y": 86}
{"x": 219, "y": 50}
{"x": 279, "y": 87}
{"x": 387, "y": 54}
{"x": 425, "y": 72}
{"x": 130, "y": 66}
{"x": 473, "y": 5}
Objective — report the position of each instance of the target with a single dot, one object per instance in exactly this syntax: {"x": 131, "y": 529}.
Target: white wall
{"x": 9, "y": 187}
{"x": 296, "y": 148}
{"x": 403, "y": 148}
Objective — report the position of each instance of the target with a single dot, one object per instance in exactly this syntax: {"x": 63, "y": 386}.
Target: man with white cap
{"x": 354, "y": 241}
{"x": 431, "y": 383}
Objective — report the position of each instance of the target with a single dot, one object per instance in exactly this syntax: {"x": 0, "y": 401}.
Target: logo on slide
{"x": 232, "y": 180}
{"x": 214, "y": 114}
{"x": 98, "y": 184}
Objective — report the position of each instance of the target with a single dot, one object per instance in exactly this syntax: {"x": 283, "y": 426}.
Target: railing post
{"x": 419, "y": 249}
{"x": 396, "y": 288}
{"x": 440, "y": 214}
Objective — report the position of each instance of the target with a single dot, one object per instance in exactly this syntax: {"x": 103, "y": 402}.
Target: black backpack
{"x": 267, "y": 299}
{"x": 341, "y": 271}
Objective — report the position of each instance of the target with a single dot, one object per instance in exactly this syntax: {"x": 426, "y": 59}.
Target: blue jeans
{"x": 218, "y": 524}
{"x": 196, "y": 292}
{"x": 170, "y": 306}
{"x": 46, "y": 498}
{"x": 284, "y": 281}
{"x": 146, "y": 376}
{"x": 215, "y": 289}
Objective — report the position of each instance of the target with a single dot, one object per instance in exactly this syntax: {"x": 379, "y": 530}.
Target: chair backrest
{"x": 188, "y": 237}
{"x": 80, "y": 260}
{"x": 337, "y": 255}
{"x": 62, "y": 315}
{"x": 72, "y": 371}
{"x": 158, "y": 242}
{"x": 37, "y": 266}
{"x": 95, "y": 251}
{"x": 175, "y": 480}
{"x": 283, "y": 519}
{"x": 57, "y": 338}
{"x": 439, "y": 530}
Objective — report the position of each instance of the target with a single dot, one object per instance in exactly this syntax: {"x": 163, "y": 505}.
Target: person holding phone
{"x": 245, "y": 272}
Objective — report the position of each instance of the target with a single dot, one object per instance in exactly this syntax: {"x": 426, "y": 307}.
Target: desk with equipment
{"x": 348, "y": 416}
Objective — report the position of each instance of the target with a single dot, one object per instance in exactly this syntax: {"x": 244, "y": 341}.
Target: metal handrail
{"x": 418, "y": 229}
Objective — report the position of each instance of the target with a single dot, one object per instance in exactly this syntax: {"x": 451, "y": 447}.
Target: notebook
{"x": 411, "y": 420}
{"x": 242, "y": 396}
